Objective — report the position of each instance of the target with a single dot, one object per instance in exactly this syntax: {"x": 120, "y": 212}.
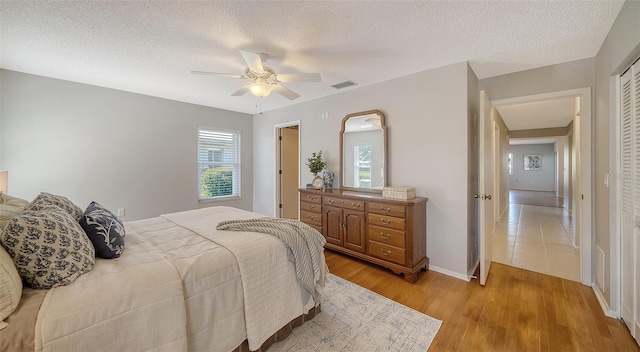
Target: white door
{"x": 630, "y": 197}
{"x": 485, "y": 185}
{"x": 635, "y": 69}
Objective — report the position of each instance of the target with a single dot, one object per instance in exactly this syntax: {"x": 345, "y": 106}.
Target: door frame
{"x": 583, "y": 210}
{"x": 277, "y": 189}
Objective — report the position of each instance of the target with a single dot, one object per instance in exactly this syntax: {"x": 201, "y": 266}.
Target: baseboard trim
{"x": 449, "y": 273}
{"x": 603, "y": 303}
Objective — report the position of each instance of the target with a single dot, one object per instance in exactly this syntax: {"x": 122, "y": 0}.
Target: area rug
{"x": 356, "y": 319}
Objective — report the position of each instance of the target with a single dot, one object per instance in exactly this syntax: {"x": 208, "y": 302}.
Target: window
{"x": 510, "y": 163}
{"x": 362, "y": 166}
{"x": 218, "y": 164}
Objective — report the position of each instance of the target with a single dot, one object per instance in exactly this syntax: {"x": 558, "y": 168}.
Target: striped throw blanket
{"x": 305, "y": 247}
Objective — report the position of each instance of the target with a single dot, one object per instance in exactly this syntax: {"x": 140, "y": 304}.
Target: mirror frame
{"x": 383, "y": 125}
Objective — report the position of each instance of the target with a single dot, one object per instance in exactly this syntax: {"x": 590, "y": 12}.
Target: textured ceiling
{"x": 151, "y": 47}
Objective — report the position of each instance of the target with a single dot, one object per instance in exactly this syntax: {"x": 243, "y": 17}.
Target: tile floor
{"x": 539, "y": 239}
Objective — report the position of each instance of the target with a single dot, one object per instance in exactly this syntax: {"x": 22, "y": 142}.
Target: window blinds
{"x": 218, "y": 163}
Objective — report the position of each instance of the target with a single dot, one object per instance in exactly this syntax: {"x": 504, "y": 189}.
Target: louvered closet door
{"x": 635, "y": 91}
{"x": 630, "y": 196}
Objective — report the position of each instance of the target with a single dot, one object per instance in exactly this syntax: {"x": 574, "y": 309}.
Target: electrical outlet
{"x": 121, "y": 212}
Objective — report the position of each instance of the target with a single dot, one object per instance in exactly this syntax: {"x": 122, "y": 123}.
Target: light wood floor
{"x": 518, "y": 310}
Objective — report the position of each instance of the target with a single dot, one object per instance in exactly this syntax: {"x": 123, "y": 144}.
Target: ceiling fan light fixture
{"x": 260, "y": 88}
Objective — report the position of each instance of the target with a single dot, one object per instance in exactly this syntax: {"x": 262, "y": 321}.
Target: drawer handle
{"x": 386, "y": 222}
{"x": 356, "y": 205}
{"x": 311, "y": 197}
{"x": 310, "y": 206}
{"x": 386, "y": 210}
{"x": 386, "y": 236}
{"x": 387, "y": 252}
{"x": 310, "y": 217}
{"x": 331, "y": 201}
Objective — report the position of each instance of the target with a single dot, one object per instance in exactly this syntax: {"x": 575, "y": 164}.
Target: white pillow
{"x": 10, "y": 287}
{"x": 10, "y": 207}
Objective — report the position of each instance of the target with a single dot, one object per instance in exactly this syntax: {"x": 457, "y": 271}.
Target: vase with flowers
{"x": 316, "y": 164}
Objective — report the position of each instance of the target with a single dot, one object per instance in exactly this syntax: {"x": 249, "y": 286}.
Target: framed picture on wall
{"x": 533, "y": 162}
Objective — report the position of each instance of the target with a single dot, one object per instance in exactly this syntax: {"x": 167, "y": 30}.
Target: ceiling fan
{"x": 264, "y": 78}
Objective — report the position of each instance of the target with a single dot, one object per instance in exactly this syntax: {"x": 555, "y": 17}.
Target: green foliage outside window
{"x": 216, "y": 182}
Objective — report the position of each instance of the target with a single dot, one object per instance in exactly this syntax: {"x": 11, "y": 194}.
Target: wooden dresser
{"x": 388, "y": 232}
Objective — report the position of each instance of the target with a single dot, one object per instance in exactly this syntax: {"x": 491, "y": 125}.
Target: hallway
{"x": 537, "y": 238}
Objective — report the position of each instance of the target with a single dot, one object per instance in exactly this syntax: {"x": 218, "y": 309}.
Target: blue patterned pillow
{"x": 105, "y": 230}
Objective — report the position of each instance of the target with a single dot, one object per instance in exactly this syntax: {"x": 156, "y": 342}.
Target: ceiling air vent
{"x": 344, "y": 84}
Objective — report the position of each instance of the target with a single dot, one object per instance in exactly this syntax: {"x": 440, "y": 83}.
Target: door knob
{"x": 488, "y": 196}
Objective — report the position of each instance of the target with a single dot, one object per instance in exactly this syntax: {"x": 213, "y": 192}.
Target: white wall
{"x": 121, "y": 149}
{"x": 427, "y": 145}
{"x": 542, "y": 180}
{"x": 502, "y": 166}
{"x": 1, "y": 116}
{"x": 558, "y": 148}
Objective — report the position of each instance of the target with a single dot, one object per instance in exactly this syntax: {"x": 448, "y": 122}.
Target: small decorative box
{"x": 399, "y": 192}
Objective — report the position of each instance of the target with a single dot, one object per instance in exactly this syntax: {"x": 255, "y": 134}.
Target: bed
{"x": 180, "y": 285}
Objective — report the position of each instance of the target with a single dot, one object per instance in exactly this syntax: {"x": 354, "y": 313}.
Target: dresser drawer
{"x": 386, "y": 209}
{"x": 344, "y": 203}
{"x": 385, "y": 252}
{"x": 386, "y": 221}
{"x": 311, "y": 198}
{"x": 387, "y": 236}
{"x": 310, "y": 218}
{"x": 312, "y": 207}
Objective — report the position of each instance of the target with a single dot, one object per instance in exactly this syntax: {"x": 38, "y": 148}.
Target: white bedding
{"x": 180, "y": 285}
{"x": 272, "y": 295}
{"x": 112, "y": 307}
{"x": 211, "y": 283}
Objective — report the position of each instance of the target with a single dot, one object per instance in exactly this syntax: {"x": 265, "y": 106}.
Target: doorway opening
{"x": 287, "y": 170}
{"x": 580, "y": 187}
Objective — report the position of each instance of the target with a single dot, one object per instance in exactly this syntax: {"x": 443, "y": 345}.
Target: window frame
{"x": 235, "y": 164}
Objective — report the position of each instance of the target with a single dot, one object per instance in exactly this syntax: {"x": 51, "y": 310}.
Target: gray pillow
{"x": 105, "y": 230}
{"x": 48, "y": 247}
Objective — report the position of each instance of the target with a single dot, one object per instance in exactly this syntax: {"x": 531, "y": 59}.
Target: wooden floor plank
{"x": 518, "y": 310}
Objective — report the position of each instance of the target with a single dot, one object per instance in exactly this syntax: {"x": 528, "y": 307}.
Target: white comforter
{"x": 272, "y": 295}
{"x": 131, "y": 303}
{"x": 180, "y": 285}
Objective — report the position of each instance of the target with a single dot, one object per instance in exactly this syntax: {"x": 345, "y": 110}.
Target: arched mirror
{"x": 363, "y": 151}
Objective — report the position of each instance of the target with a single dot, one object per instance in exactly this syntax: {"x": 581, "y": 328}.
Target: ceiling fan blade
{"x": 253, "y": 60}
{"x": 299, "y": 77}
{"x": 285, "y": 92}
{"x": 218, "y": 74}
{"x": 241, "y": 91}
